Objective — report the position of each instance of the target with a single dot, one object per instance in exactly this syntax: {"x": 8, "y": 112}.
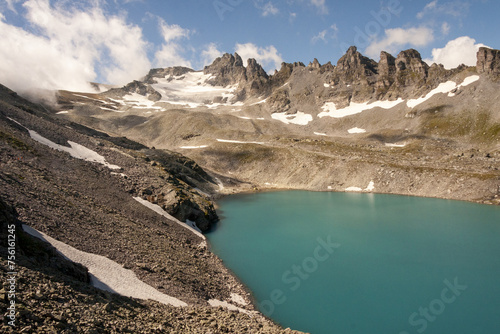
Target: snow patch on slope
{"x": 76, "y": 150}
{"x": 299, "y": 118}
{"x": 107, "y": 274}
{"x": 330, "y": 109}
{"x": 156, "y": 208}
{"x": 443, "y": 88}
{"x": 356, "y": 130}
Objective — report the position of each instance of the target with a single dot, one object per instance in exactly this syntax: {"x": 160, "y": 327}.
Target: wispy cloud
{"x": 325, "y": 35}
{"x": 452, "y": 8}
{"x": 445, "y": 28}
{"x": 320, "y": 5}
{"x": 292, "y": 17}
{"x": 399, "y": 37}
{"x": 268, "y": 56}
{"x": 267, "y": 8}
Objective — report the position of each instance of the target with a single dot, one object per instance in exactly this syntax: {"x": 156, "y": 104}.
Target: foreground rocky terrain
{"x": 93, "y": 207}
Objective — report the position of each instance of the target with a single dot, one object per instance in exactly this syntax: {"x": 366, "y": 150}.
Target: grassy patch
{"x": 14, "y": 142}
{"x": 477, "y": 126}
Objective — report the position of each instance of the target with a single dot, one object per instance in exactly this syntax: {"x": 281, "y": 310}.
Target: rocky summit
{"x": 130, "y": 176}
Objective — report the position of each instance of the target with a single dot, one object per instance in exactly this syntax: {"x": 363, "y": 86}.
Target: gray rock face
{"x": 137, "y": 87}
{"x": 410, "y": 68}
{"x": 353, "y": 66}
{"x": 488, "y": 61}
{"x": 387, "y": 65}
{"x": 161, "y": 73}
{"x": 228, "y": 70}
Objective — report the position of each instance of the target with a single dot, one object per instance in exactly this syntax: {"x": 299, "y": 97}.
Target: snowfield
{"x": 192, "y": 89}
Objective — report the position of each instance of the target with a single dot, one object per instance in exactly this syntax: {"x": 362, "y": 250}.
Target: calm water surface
{"x": 364, "y": 263}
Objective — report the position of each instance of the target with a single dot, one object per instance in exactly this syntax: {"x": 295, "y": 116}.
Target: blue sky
{"x": 64, "y": 44}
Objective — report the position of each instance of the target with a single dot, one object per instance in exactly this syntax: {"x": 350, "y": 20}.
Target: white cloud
{"x": 70, "y": 48}
{"x": 171, "y": 51}
{"x": 462, "y": 50}
{"x": 397, "y": 38}
{"x": 320, "y": 5}
{"x": 292, "y": 17}
{"x": 269, "y": 9}
{"x": 209, "y": 54}
{"x": 267, "y": 56}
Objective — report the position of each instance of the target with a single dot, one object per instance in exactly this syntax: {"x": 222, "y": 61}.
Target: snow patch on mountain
{"x": 299, "y": 118}
{"x": 443, "y": 88}
{"x": 356, "y": 130}
{"x": 330, "y": 109}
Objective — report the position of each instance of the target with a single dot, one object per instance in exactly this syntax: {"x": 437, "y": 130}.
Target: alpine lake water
{"x": 365, "y": 263}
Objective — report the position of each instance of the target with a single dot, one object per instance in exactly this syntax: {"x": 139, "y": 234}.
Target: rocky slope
{"x": 52, "y": 179}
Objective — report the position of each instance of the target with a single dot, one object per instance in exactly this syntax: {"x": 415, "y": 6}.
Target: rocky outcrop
{"x": 354, "y": 67}
{"x": 280, "y": 77}
{"x": 161, "y": 73}
{"x": 410, "y": 68}
{"x": 137, "y": 87}
{"x": 488, "y": 62}
{"x": 279, "y": 101}
{"x": 256, "y": 77}
{"x": 227, "y": 70}
{"x": 315, "y": 64}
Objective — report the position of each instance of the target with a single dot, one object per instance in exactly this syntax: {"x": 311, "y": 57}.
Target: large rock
{"x": 488, "y": 61}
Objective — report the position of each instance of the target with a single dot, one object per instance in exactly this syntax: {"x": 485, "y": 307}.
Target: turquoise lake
{"x": 365, "y": 263}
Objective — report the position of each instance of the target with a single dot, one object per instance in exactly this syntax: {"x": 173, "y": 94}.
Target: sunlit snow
{"x": 331, "y": 110}
{"x": 107, "y": 274}
{"x": 299, "y": 118}
{"x": 356, "y": 130}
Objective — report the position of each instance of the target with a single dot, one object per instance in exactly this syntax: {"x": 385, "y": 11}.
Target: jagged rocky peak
{"x": 488, "y": 61}
{"x": 411, "y": 60}
{"x": 227, "y": 70}
{"x": 353, "y": 60}
{"x": 255, "y": 70}
{"x": 280, "y": 77}
{"x": 387, "y": 64}
{"x": 315, "y": 64}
